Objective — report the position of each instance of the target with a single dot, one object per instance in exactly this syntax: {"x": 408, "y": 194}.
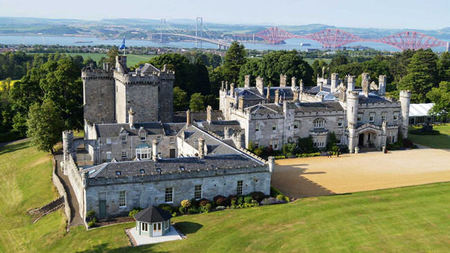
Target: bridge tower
{"x": 198, "y": 30}
{"x": 161, "y": 27}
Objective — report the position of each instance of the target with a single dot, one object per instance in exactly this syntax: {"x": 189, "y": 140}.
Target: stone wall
{"x": 98, "y": 96}
{"x": 72, "y": 172}
{"x": 62, "y": 192}
{"x": 153, "y": 193}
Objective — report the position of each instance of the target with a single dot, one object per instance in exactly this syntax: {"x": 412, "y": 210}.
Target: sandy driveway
{"x": 316, "y": 176}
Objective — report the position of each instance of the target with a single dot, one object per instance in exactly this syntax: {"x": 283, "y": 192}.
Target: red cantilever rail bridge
{"x": 333, "y": 38}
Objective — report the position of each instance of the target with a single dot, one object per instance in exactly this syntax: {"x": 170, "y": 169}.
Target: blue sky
{"x": 418, "y": 14}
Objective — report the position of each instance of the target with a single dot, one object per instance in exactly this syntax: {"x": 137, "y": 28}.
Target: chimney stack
{"x": 277, "y": 96}
{"x": 365, "y": 84}
{"x": 382, "y": 85}
{"x": 131, "y": 117}
{"x": 154, "y": 150}
{"x": 334, "y": 82}
{"x": 293, "y": 83}
{"x": 260, "y": 85}
{"x": 232, "y": 90}
{"x": 247, "y": 81}
{"x": 350, "y": 83}
{"x": 282, "y": 80}
{"x": 241, "y": 103}
{"x": 208, "y": 113}
{"x": 201, "y": 148}
{"x": 188, "y": 118}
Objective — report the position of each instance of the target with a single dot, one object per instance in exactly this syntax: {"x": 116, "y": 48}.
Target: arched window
{"x": 319, "y": 123}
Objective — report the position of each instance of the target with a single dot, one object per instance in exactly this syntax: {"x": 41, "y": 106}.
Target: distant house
{"x": 420, "y": 113}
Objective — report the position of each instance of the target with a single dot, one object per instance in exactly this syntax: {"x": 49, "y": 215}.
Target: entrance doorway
{"x": 102, "y": 209}
{"x": 157, "y": 229}
{"x": 367, "y": 140}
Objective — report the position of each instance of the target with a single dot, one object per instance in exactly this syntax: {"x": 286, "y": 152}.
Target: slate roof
{"x": 316, "y": 89}
{"x": 214, "y": 146}
{"x": 113, "y": 129}
{"x": 153, "y": 214}
{"x": 249, "y": 93}
{"x": 148, "y": 69}
{"x": 169, "y": 166}
{"x": 373, "y": 98}
{"x": 317, "y": 107}
{"x": 180, "y": 116}
{"x": 218, "y": 126}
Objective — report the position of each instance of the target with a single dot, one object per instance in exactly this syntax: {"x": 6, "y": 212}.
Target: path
{"x": 75, "y": 212}
{"x": 316, "y": 176}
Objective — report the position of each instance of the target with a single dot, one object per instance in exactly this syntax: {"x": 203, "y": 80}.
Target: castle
{"x": 274, "y": 116}
{"x": 133, "y": 156}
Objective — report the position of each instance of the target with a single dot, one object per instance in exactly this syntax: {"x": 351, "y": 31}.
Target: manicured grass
{"x": 132, "y": 59}
{"x": 434, "y": 141}
{"x": 409, "y": 219}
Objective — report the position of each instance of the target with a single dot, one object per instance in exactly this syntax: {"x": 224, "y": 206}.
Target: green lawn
{"x": 409, "y": 219}
{"x": 434, "y": 141}
{"x": 132, "y": 59}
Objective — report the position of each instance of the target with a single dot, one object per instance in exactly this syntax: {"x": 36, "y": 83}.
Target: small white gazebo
{"x": 152, "y": 222}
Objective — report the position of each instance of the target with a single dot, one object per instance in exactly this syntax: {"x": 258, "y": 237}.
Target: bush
{"x": 240, "y": 200}
{"x": 182, "y": 210}
{"x": 166, "y": 207}
{"x": 274, "y": 191}
{"x": 203, "y": 202}
{"x": 248, "y": 199}
{"x": 194, "y": 203}
{"x": 231, "y": 199}
{"x": 92, "y": 222}
{"x": 185, "y": 203}
{"x": 280, "y": 157}
{"x": 206, "y": 208}
{"x": 283, "y": 198}
{"x": 192, "y": 210}
{"x": 220, "y": 200}
{"x": 90, "y": 215}
{"x": 133, "y": 212}
{"x": 258, "y": 196}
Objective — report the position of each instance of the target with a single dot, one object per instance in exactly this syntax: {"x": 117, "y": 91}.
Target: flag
{"x": 123, "y": 44}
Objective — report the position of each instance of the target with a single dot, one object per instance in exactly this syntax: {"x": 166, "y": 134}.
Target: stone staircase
{"x": 38, "y": 213}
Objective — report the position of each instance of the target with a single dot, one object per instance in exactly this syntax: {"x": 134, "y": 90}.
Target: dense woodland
{"x": 47, "y": 97}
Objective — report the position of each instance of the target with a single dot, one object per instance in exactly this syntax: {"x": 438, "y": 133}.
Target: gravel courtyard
{"x": 317, "y": 176}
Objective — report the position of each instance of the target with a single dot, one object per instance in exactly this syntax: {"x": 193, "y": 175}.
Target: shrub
{"x": 258, "y": 196}
{"x": 174, "y": 214}
{"x": 220, "y": 200}
{"x": 92, "y": 222}
{"x": 206, "y": 208}
{"x": 203, "y": 202}
{"x": 283, "y": 198}
{"x": 231, "y": 198}
{"x": 182, "y": 210}
{"x": 240, "y": 200}
{"x": 248, "y": 199}
{"x": 90, "y": 215}
{"x": 274, "y": 191}
{"x": 185, "y": 203}
{"x": 133, "y": 212}
{"x": 194, "y": 203}
{"x": 166, "y": 207}
{"x": 192, "y": 210}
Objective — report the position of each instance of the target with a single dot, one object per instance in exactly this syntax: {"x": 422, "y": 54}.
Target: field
{"x": 434, "y": 141}
{"x": 410, "y": 219}
{"x": 132, "y": 59}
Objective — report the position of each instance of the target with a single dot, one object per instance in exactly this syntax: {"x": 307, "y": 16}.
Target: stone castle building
{"x": 132, "y": 156}
{"x": 274, "y": 116}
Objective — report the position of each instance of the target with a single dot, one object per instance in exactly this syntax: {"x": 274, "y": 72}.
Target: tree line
{"x": 48, "y": 96}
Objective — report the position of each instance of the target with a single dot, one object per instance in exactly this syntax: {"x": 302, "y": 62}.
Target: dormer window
{"x": 142, "y": 171}
{"x": 118, "y": 173}
{"x": 108, "y": 140}
{"x": 181, "y": 168}
{"x": 123, "y": 138}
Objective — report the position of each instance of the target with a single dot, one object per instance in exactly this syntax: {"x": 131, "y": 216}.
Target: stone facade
{"x": 274, "y": 116}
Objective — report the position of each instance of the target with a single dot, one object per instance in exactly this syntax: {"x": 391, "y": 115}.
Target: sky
{"x": 418, "y": 14}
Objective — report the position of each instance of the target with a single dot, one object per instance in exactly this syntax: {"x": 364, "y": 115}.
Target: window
{"x": 296, "y": 124}
{"x": 143, "y": 138}
{"x": 172, "y": 139}
{"x": 169, "y": 195}
{"x": 124, "y": 139}
{"x": 239, "y": 187}
{"x": 198, "y": 191}
{"x": 340, "y": 122}
{"x": 122, "y": 199}
{"x": 257, "y": 128}
{"x": 395, "y": 117}
{"x": 383, "y": 116}
{"x": 319, "y": 123}
{"x": 144, "y": 226}
{"x": 142, "y": 171}
{"x": 118, "y": 173}
{"x": 319, "y": 144}
{"x": 124, "y": 154}
{"x": 360, "y": 117}
{"x": 108, "y": 140}
{"x": 274, "y": 127}
{"x": 372, "y": 117}
{"x": 108, "y": 155}
{"x": 143, "y": 153}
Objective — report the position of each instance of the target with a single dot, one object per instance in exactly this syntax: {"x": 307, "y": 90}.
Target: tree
{"x": 180, "y": 99}
{"x": 441, "y": 98}
{"x": 234, "y": 59}
{"x": 444, "y": 67}
{"x": 422, "y": 75}
{"x": 197, "y": 102}
{"x": 45, "y": 125}
{"x": 112, "y": 53}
